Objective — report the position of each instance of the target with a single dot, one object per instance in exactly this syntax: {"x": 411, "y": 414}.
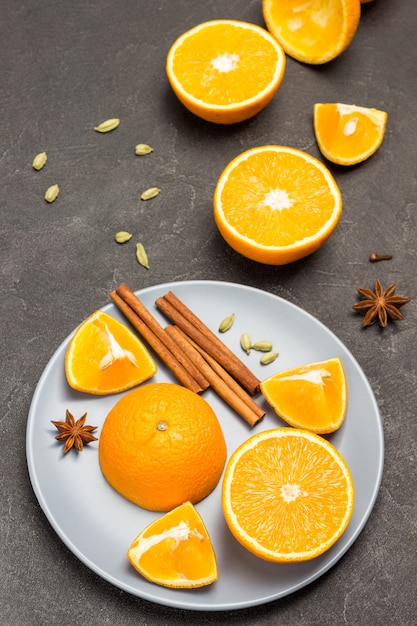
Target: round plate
{"x": 98, "y": 525}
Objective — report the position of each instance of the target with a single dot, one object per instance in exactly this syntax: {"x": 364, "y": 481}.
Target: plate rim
{"x": 153, "y": 597}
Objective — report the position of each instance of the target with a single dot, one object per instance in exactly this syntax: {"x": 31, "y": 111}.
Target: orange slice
{"x": 175, "y": 550}
{"x": 225, "y": 71}
{"x": 275, "y": 204}
{"x": 347, "y": 134}
{"x": 287, "y": 495}
{"x": 313, "y": 32}
{"x": 313, "y": 396}
{"x": 104, "y": 357}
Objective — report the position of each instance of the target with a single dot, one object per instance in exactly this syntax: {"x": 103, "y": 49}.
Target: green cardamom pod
{"x": 122, "y": 236}
{"x": 150, "y": 193}
{"x": 268, "y": 357}
{"x": 245, "y": 343}
{"x": 108, "y": 125}
{"x": 227, "y": 323}
{"x": 262, "y": 346}
{"x": 52, "y": 193}
{"x": 143, "y": 148}
{"x": 141, "y": 255}
{"x": 39, "y": 161}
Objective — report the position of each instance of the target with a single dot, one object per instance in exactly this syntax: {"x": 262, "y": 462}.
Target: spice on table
{"x": 141, "y": 255}
{"x": 380, "y": 305}
{"x": 150, "y": 193}
{"x": 39, "y": 161}
{"x": 74, "y": 433}
{"x": 108, "y": 125}
{"x": 51, "y": 193}
{"x": 122, "y": 236}
{"x": 379, "y": 257}
{"x": 142, "y": 148}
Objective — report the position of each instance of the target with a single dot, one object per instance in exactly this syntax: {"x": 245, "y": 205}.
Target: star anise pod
{"x": 380, "y": 305}
{"x": 74, "y": 433}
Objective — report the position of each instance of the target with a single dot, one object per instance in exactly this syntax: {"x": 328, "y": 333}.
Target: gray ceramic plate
{"x": 98, "y": 525}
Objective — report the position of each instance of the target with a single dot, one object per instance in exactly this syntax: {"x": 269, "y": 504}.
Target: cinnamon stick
{"x": 229, "y": 380}
{"x": 175, "y": 360}
{"x": 181, "y": 315}
{"x": 246, "y": 408}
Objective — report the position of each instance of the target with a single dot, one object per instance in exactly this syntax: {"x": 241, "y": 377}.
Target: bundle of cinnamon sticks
{"x": 193, "y": 353}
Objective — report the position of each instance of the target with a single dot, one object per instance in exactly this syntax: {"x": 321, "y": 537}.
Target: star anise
{"x": 74, "y": 433}
{"x": 380, "y": 305}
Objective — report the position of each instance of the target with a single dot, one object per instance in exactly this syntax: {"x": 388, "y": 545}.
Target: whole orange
{"x": 162, "y": 445}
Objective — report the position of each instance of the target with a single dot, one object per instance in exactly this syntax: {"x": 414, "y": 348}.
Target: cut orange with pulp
{"x": 312, "y": 32}
{"x": 162, "y": 445}
{"x": 287, "y": 495}
{"x": 275, "y": 204}
{"x": 225, "y": 71}
{"x": 104, "y": 357}
{"x": 347, "y": 134}
{"x": 313, "y": 396}
{"x": 175, "y": 550}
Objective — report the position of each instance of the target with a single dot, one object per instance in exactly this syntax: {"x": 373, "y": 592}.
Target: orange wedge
{"x": 225, "y": 71}
{"x": 287, "y": 495}
{"x": 312, "y": 32}
{"x": 175, "y": 550}
{"x": 347, "y": 134}
{"x": 275, "y": 204}
{"x": 313, "y": 396}
{"x": 104, "y": 357}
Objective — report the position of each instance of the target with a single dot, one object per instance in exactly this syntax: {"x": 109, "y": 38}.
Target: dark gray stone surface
{"x": 67, "y": 65}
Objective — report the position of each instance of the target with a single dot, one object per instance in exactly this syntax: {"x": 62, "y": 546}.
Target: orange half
{"x": 276, "y": 204}
{"x": 225, "y": 71}
{"x": 312, "y": 32}
{"x": 287, "y": 495}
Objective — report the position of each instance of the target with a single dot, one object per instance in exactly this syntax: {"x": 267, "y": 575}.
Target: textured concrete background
{"x": 67, "y": 65}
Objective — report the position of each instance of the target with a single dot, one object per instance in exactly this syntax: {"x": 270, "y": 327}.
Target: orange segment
{"x": 175, "y": 550}
{"x": 275, "y": 204}
{"x": 347, "y": 134}
{"x": 312, "y": 396}
{"x": 105, "y": 357}
{"x": 313, "y": 32}
{"x": 225, "y": 71}
{"x": 162, "y": 445}
{"x": 287, "y": 495}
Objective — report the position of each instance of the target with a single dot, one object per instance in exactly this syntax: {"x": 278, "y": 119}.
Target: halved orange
{"x": 348, "y": 134}
{"x": 104, "y": 356}
{"x": 276, "y": 204}
{"x": 287, "y": 495}
{"x": 312, "y": 32}
{"x": 175, "y": 550}
{"x": 313, "y": 396}
{"x": 161, "y": 445}
{"x": 225, "y": 71}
